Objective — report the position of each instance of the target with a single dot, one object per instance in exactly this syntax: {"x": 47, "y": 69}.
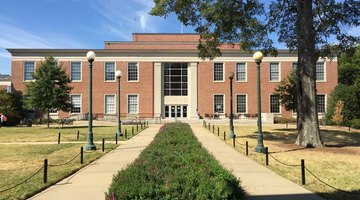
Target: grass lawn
{"x": 337, "y": 164}
{"x": 20, "y": 161}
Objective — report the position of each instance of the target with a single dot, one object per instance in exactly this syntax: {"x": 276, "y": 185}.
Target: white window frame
{"x": 105, "y": 71}
{"x": 324, "y": 80}
{"x": 138, "y": 71}
{"x": 270, "y": 104}
{"x": 325, "y": 104}
{"x": 81, "y": 73}
{"x": 223, "y": 70}
{"x": 105, "y": 104}
{"x": 24, "y": 70}
{"x": 236, "y": 70}
{"x": 128, "y": 105}
{"x": 213, "y": 105}
{"x": 80, "y": 103}
{"x": 279, "y": 71}
{"x": 247, "y": 103}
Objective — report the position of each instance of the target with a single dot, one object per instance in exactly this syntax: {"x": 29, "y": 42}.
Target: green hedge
{"x": 355, "y": 123}
{"x": 175, "y": 166}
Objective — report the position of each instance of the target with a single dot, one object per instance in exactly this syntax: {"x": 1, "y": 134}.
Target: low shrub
{"x": 355, "y": 123}
{"x": 284, "y": 120}
{"x": 175, "y": 166}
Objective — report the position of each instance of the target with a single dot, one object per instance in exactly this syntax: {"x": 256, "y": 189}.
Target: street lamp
{"x": 118, "y": 75}
{"x": 90, "y": 141}
{"x": 231, "y": 135}
{"x": 258, "y": 56}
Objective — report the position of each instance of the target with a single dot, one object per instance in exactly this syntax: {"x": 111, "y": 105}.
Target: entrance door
{"x": 175, "y": 111}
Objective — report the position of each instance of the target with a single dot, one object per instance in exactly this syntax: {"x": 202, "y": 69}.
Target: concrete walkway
{"x": 260, "y": 182}
{"x": 93, "y": 181}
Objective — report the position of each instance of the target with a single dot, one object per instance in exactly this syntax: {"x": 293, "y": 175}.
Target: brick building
{"x": 164, "y": 78}
{"x": 5, "y": 82}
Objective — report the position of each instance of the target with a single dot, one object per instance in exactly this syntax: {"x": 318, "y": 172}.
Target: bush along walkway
{"x": 92, "y": 181}
{"x": 175, "y": 166}
{"x": 259, "y": 182}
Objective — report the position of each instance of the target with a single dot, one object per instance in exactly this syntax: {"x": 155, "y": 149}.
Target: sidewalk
{"x": 93, "y": 181}
{"x": 259, "y": 181}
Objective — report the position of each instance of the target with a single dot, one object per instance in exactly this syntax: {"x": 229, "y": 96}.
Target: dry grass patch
{"x": 337, "y": 164}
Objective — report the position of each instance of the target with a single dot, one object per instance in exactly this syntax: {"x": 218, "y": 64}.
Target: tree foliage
{"x": 11, "y": 106}
{"x": 303, "y": 25}
{"x": 349, "y": 67}
{"x": 287, "y": 92}
{"x": 50, "y": 89}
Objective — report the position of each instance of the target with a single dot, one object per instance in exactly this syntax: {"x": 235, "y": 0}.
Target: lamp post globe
{"x": 90, "y": 141}
{"x": 258, "y": 56}
{"x": 231, "y": 134}
{"x": 118, "y": 75}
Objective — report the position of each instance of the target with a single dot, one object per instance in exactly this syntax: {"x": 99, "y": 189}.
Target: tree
{"x": 50, "y": 89}
{"x": 303, "y": 25}
{"x": 11, "y": 106}
{"x": 287, "y": 92}
{"x": 349, "y": 67}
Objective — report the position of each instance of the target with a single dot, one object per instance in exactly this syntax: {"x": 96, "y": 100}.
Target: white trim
{"x": 270, "y": 105}
{"x": 114, "y": 103}
{"x": 81, "y": 71}
{"x": 246, "y": 73}
{"x": 127, "y": 71}
{"x": 275, "y": 81}
{"x": 247, "y": 103}
{"x": 81, "y": 103}
{"x": 109, "y": 81}
{"x": 23, "y": 70}
{"x": 127, "y": 103}
{"x": 213, "y": 72}
{"x": 213, "y": 104}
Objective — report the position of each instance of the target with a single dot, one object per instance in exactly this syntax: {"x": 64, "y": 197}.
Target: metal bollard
{"x": 103, "y": 145}
{"x": 234, "y": 138}
{"x": 224, "y": 135}
{"x": 213, "y": 128}
{"x": 59, "y": 138}
{"x": 302, "y": 171}
{"x": 137, "y": 127}
{"x": 132, "y": 130}
{"x": 141, "y": 126}
{"x": 81, "y": 155}
{"x": 247, "y": 148}
{"x": 218, "y": 131}
{"x": 267, "y": 155}
{"x": 125, "y": 133}
{"x": 116, "y": 138}
{"x": 147, "y": 124}
{"x": 45, "y": 170}
{"x": 78, "y": 133}
{"x": 209, "y": 127}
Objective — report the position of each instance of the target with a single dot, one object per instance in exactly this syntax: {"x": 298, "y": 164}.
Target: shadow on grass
{"x": 74, "y": 127}
{"x": 337, "y": 195}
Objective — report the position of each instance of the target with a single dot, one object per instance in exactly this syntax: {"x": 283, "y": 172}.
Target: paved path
{"x": 93, "y": 181}
{"x": 260, "y": 182}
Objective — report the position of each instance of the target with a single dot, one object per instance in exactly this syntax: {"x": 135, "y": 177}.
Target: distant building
{"x": 5, "y": 82}
{"x": 164, "y": 78}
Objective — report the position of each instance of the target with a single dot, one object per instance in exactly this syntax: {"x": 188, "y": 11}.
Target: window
{"x": 109, "y": 71}
{"x": 294, "y": 66}
{"x": 53, "y": 111}
{"x": 218, "y": 72}
{"x": 241, "y": 104}
{"x": 175, "y": 79}
{"x": 132, "y": 71}
{"x": 320, "y": 71}
{"x": 75, "y": 71}
{"x": 320, "y": 100}
{"x": 76, "y": 104}
{"x": 133, "y": 104}
{"x": 109, "y": 104}
{"x": 274, "y": 72}
{"x": 8, "y": 89}
{"x": 29, "y": 69}
{"x": 274, "y": 104}
{"x": 219, "y": 103}
{"x": 240, "y": 72}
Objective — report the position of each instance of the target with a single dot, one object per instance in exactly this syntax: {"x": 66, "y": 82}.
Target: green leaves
{"x": 287, "y": 92}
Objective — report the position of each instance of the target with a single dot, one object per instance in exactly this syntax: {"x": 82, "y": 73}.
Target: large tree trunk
{"x": 307, "y": 122}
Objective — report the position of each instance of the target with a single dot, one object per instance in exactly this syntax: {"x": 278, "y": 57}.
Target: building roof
{"x": 5, "y": 77}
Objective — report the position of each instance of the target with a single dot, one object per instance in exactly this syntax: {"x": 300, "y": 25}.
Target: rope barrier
{"x": 283, "y": 162}
{"x": 323, "y": 182}
{"x": 65, "y": 163}
{"x": 22, "y": 181}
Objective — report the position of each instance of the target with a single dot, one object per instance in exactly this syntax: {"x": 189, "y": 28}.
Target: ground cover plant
{"x": 20, "y": 161}
{"x": 175, "y": 166}
{"x": 337, "y": 164}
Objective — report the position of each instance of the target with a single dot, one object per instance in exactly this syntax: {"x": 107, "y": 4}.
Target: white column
{"x": 192, "y": 89}
{"x": 158, "y": 95}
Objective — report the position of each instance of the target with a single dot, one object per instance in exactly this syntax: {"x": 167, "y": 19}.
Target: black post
{"x": 116, "y": 138}
{"x": 209, "y": 127}
{"x": 234, "y": 138}
{"x": 302, "y": 171}
{"x": 141, "y": 125}
{"x": 247, "y": 148}
{"x": 147, "y": 124}
{"x": 45, "y": 170}
{"x": 137, "y": 127}
{"x": 224, "y": 135}
{"x": 78, "y": 133}
{"x": 59, "y": 138}
{"x": 132, "y": 130}
{"x": 81, "y": 155}
{"x": 103, "y": 145}
{"x": 125, "y": 133}
{"x": 218, "y": 131}
{"x": 267, "y": 155}
{"x": 213, "y": 128}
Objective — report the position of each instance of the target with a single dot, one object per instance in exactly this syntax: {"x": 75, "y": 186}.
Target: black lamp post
{"x": 118, "y": 75}
{"x": 231, "y": 134}
{"x": 90, "y": 141}
{"x": 258, "y": 56}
